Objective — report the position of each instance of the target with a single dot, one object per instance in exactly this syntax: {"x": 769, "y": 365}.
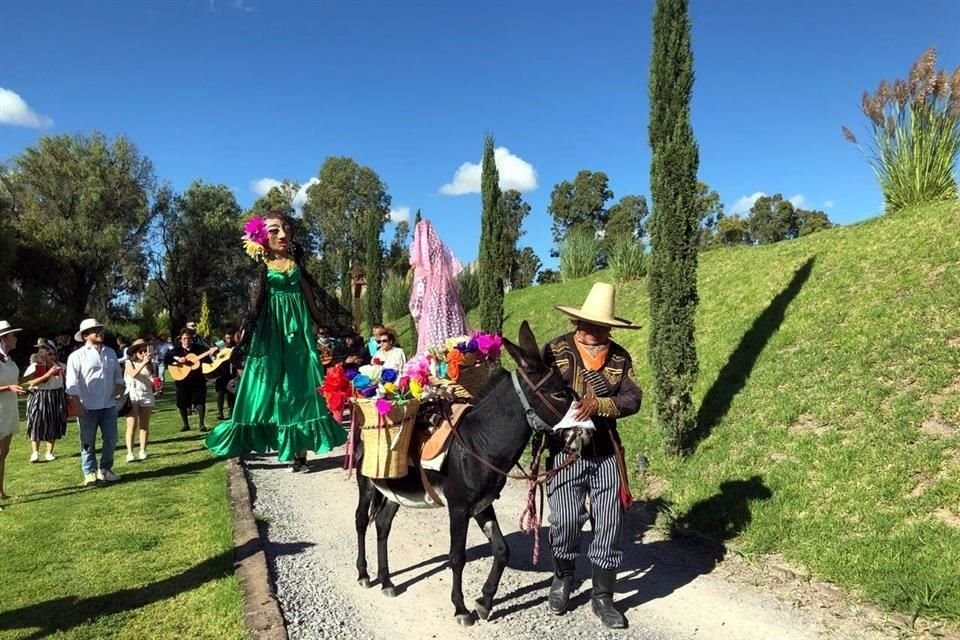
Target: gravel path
{"x": 668, "y": 592}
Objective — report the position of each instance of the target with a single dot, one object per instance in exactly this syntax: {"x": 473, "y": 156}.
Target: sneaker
{"x": 34, "y": 457}
{"x": 130, "y": 457}
{"x": 49, "y": 457}
{"x": 107, "y": 475}
{"x": 142, "y": 455}
{"x": 89, "y": 479}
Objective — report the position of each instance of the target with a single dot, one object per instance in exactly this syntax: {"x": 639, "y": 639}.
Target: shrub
{"x": 915, "y": 131}
{"x": 396, "y": 297}
{"x": 578, "y": 255}
{"x": 469, "y": 282}
{"x": 627, "y": 260}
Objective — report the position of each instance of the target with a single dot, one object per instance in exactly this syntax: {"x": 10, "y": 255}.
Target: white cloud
{"x": 400, "y": 214}
{"x": 262, "y": 187}
{"x": 241, "y": 5}
{"x": 742, "y": 206}
{"x": 829, "y": 204}
{"x": 15, "y": 111}
{"x": 515, "y": 173}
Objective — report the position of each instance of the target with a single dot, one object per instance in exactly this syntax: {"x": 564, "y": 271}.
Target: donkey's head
{"x": 540, "y": 387}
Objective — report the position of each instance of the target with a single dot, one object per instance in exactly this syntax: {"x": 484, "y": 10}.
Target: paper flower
{"x": 388, "y": 375}
{"x": 383, "y": 406}
{"x": 403, "y": 384}
{"x": 489, "y": 345}
{"x": 255, "y": 230}
{"x": 361, "y": 381}
{"x": 253, "y": 249}
{"x": 454, "y": 360}
{"x": 369, "y": 392}
{"x": 415, "y": 389}
{"x": 351, "y": 373}
{"x": 390, "y": 388}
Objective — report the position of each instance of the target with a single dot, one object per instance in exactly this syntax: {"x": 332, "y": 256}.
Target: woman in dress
{"x": 9, "y": 390}
{"x": 389, "y": 355}
{"x": 138, "y": 379}
{"x": 278, "y": 405}
{"x": 47, "y": 403}
{"x": 434, "y": 299}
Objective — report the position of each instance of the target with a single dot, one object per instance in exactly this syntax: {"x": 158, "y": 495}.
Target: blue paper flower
{"x": 388, "y": 375}
{"x": 361, "y": 381}
{"x": 370, "y": 391}
{"x": 351, "y": 373}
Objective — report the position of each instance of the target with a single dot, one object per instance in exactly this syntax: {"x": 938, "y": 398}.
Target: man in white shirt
{"x": 95, "y": 381}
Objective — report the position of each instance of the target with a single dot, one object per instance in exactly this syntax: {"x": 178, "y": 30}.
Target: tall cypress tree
{"x": 373, "y": 299}
{"x": 491, "y": 260}
{"x": 417, "y": 219}
{"x": 673, "y": 225}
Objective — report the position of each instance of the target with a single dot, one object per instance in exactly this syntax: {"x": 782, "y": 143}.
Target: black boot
{"x": 601, "y": 600}
{"x": 562, "y": 585}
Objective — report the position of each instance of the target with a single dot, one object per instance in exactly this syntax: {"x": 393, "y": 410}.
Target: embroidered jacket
{"x": 617, "y": 394}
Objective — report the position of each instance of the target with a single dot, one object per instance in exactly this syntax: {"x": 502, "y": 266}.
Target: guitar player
{"x": 225, "y": 373}
{"x": 192, "y": 390}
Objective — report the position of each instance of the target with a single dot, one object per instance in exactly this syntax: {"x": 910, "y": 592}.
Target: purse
{"x": 125, "y": 406}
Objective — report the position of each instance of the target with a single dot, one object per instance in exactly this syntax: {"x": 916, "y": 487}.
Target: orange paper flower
{"x": 454, "y": 360}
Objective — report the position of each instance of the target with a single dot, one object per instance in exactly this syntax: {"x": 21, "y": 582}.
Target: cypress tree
{"x": 673, "y": 226}
{"x": 416, "y": 220}
{"x": 373, "y": 299}
{"x": 491, "y": 260}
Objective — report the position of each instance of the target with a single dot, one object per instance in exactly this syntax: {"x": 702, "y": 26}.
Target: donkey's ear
{"x": 527, "y": 340}
{"x": 519, "y": 355}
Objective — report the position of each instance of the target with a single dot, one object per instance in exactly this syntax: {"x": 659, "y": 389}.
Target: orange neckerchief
{"x": 592, "y": 362}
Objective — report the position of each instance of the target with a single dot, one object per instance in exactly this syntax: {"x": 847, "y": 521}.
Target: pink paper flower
{"x": 383, "y": 406}
{"x": 489, "y": 345}
{"x": 256, "y": 230}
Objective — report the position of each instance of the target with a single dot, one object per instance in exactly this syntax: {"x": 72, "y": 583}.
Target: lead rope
{"x": 531, "y": 518}
{"x": 350, "y": 459}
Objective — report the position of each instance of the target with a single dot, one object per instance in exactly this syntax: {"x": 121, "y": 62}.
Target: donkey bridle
{"x": 536, "y": 423}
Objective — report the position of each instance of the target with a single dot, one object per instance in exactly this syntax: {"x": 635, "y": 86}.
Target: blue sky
{"x": 236, "y": 91}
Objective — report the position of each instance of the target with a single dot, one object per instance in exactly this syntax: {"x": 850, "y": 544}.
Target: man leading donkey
{"x": 601, "y": 372}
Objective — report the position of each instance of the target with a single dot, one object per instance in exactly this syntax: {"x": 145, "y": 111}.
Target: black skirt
{"x": 191, "y": 392}
{"x": 46, "y": 415}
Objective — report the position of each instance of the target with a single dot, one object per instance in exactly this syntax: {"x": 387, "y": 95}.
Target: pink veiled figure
{"x": 434, "y": 298}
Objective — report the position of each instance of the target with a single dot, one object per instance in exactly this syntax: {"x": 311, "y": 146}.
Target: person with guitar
{"x": 225, "y": 371}
{"x": 183, "y": 362}
{"x": 279, "y": 406}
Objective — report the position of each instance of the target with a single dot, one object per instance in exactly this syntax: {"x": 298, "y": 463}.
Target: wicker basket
{"x": 474, "y": 378}
{"x": 386, "y": 439}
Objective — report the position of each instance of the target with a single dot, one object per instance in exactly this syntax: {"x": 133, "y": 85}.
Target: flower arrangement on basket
{"x": 468, "y": 360}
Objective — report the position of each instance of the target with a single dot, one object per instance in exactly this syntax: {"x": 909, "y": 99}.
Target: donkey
{"x": 507, "y": 412}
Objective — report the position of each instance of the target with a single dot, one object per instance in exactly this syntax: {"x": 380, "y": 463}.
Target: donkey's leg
{"x": 487, "y": 519}
{"x": 458, "y": 558}
{"x": 368, "y": 497}
{"x": 384, "y": 522}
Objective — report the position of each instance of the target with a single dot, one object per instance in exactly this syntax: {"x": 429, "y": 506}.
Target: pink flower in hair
{"x": 255, "y": 230}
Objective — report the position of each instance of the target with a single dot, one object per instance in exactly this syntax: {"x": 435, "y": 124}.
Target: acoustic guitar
{"x": 180, "y": 371}
{"x": 223, "y": 356}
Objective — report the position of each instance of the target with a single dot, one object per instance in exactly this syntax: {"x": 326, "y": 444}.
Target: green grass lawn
{"x": 147, "y": 557}
{"x": 829, "y": 404}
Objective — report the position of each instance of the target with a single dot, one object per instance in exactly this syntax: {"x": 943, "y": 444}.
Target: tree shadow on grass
{"x": 63, "y": 614}
{"x": 187, "y": 468}
{"x": 735, "y": 373}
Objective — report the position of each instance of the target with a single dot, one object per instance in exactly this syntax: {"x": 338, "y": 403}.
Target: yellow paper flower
{"x": 253, "y": 249}
{"x": 416, "y": 389}
{"x": 389, "y": 387}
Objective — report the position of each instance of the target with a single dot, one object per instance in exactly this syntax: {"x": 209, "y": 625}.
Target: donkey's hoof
{"x": 465, "y": 619}
{"x": 482, "y": 611}
{"x": 364, "y": 582}
{"x": 390, "y": 592}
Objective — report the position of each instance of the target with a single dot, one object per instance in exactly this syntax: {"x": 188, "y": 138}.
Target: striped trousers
{"x": 567, "y": 493}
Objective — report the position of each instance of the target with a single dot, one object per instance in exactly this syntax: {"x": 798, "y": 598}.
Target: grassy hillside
{"x": 829, "y": 397}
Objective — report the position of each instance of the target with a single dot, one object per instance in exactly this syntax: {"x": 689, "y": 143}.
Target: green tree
{"x": 8, "y": 253}
{"x": 80, "y": 208}
{"x": 398, "y": 255}
{"x": 732, "y": 230}
{"x": 579, "y": 204}
{"x": 417, "y": 219}
{"x": 491, "y": 258}
{"x": 710, "y": 209}
{"x": 627, "y": 219}
{"x": 812, "y": 221}
{"x": 468, "y": 284}
{"x": 548, "y": 276}
{"x": 513, "y": 211}
{"x": 674, "y": 224}
{"x": 772, "y": 219}
{"x": 200, "y": 254}
{"x": 334, "y": 213}
{"x": 373, "y": 298}
{"x": 525, "y": 268}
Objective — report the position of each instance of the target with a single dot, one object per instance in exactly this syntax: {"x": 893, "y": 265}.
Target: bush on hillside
{"x": 915, "y": 132}
{"x": 578, "y": 255}
{"x": 469, "y": 283}
{"x": 627, "y": 260}
{"x": 396, "y": 297}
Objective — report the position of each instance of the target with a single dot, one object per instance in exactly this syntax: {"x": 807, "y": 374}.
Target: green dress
{"x": 278, "y": 406}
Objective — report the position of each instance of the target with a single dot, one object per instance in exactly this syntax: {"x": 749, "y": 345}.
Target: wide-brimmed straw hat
{"x": 598, "y": 308}
{"x": 45, "y": 344}
{"x": 6, "y": 327}
{"x": 133, "y": 348}
{"x": 85, "y": 326}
